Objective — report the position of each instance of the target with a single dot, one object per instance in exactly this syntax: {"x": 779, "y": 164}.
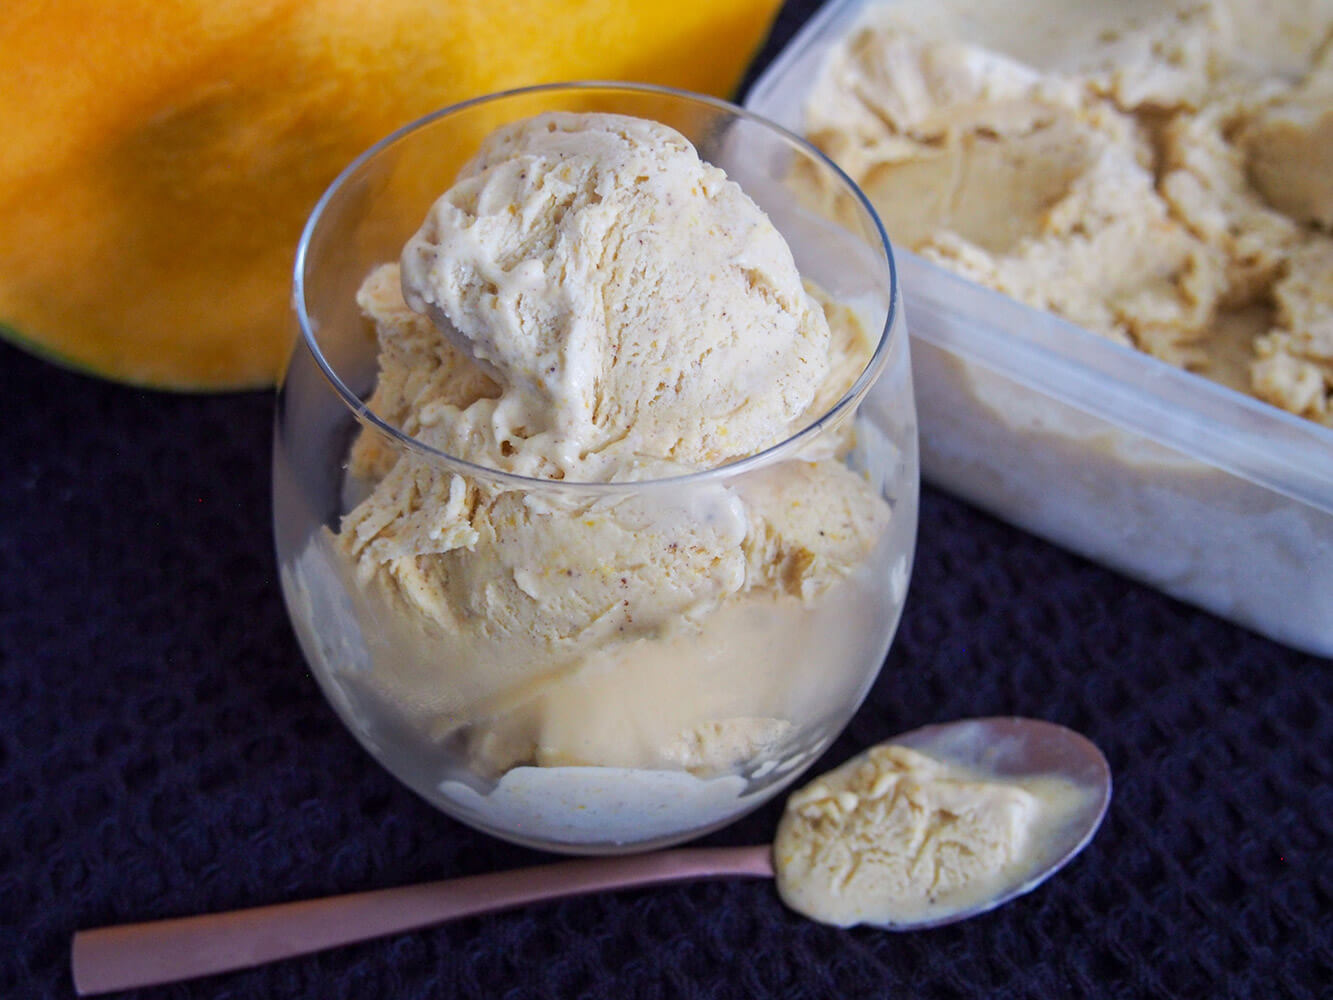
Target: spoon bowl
{"x": 1004, "y": 748}
{"x": 1011, "y": 749}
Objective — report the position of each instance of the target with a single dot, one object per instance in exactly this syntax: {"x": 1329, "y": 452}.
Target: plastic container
{"x": 1208, "y": 495}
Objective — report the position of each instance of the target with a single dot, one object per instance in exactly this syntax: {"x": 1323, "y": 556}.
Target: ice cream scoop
{"x": 1002, "y": 752}
{"x": 640, "y": 312}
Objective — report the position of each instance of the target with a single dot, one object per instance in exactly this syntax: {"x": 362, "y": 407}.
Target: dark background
{"x": 164, "y": 751}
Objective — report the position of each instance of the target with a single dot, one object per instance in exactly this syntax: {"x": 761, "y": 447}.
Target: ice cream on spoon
{"x": 1045, "y": 786}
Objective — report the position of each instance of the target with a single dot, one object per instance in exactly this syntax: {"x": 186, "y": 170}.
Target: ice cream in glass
{"x": 595, "y": 465}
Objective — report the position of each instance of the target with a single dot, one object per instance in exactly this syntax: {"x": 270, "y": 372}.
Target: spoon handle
{"x": 164, "y": 951}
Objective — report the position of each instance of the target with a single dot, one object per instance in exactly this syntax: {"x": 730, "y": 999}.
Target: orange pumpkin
{"x": 160, "y": 156}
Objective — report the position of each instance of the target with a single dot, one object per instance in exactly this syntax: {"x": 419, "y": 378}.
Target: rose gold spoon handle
{"x": 1002, "y": 747}
{"x": 165, "y": 951}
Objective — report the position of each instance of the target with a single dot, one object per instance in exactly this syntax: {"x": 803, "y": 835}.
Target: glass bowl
{"x": 659, "y": 665}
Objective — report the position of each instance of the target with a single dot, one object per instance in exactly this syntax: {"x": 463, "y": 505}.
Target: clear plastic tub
{"x": 1208, "y": 495}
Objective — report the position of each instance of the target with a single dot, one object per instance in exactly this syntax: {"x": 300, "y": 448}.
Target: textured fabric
{"x": 163, "y": 751}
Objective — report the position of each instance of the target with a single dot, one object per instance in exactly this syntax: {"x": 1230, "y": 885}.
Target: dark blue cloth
{"x": 164, "y": 751}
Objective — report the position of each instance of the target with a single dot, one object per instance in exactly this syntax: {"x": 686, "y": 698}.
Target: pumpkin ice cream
{"x": 1158, "y": 174}
{"x": 592, "y": 306}
{"x": 894, "y": 836}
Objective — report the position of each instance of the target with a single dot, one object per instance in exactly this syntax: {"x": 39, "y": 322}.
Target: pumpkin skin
{"x": 161, "y": 156}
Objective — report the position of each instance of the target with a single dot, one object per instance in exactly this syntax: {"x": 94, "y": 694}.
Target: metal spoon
{"x": 146, "y": 954}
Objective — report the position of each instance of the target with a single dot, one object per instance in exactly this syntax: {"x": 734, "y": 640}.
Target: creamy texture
{"x": 682, "y": 726}
{"x": 897, "y": 837}
{"x": 592, "y": 303}
{"x": 639, "y": 306}
{"x": 1156, "y": 173}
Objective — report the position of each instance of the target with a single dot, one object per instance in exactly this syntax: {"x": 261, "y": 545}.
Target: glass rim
{"x": 775, "y": 452}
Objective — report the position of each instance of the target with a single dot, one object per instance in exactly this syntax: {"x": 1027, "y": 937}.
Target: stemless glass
{"x": 645, "y": 725}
